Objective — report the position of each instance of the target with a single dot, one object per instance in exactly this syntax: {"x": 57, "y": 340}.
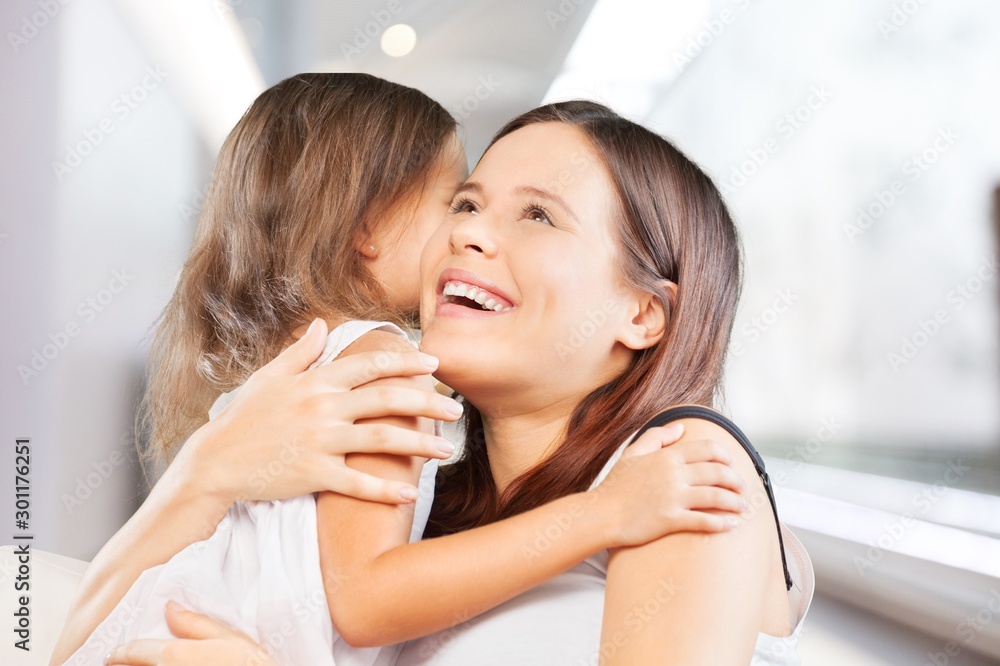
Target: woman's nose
{"x": 474, "y": 234}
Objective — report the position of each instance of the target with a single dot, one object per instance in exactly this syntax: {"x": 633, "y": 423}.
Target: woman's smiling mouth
{"x": 464, "y": 294}
{"x": 470, "y": 295}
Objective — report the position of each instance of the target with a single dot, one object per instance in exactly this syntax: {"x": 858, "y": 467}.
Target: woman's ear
{"x": 650, "y": 316}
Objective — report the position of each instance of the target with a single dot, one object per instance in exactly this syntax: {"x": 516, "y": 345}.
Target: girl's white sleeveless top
{"x": 258, "y": 573}
{"x": 558, "y": 623}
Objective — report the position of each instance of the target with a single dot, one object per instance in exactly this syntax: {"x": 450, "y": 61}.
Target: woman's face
{"x": 520, "y": 287}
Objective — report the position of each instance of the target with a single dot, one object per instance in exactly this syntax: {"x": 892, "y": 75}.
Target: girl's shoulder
{"x": 373, "y": 336}
{"x": 357, "y": 336}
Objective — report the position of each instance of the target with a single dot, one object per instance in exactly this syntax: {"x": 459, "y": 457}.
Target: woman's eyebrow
{"x": 551, "y": 196}
{"x": 469, "y": 186}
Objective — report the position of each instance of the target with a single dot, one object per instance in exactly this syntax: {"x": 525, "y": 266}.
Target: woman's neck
{"x": 518, "y": 442}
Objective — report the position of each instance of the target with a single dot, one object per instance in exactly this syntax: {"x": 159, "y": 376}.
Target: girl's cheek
{"x": 430, "y": 248}
{"x": 436, "y": 247}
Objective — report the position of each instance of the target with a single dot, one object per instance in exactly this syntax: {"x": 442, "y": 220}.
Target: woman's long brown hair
{"x": 316, "y": 162}
{"x": 672, "y": 224}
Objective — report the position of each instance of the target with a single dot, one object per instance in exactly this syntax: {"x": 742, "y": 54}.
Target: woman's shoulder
{"x": 694, "y": 412}
{"x": 700, "y": 422}
{"x": 703, "y": 423}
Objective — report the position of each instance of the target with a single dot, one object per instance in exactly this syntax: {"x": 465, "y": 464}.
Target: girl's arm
{"x": 282, "y": 408}
{"x": 382, "y": 590}
{"x": 712, "y": 593}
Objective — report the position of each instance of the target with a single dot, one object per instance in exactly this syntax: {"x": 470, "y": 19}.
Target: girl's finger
{"x": 700, "y": 521}
{"x": 140, "y": 652}
{"x": 385, "y": 438}
{"x": 670, "y": 433}
{"x": 715, "y": 499}
{"x": 655, "y": 439}
{"x": 715, "y": 474}
{"x": 702, "y": 450}
{"x": 344, "y": 374}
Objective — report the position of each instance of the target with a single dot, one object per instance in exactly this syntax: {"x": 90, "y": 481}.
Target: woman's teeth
{"x": 454, "y": 289}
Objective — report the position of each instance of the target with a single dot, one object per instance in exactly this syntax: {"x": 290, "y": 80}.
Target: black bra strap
{"x": 699, "y": 412}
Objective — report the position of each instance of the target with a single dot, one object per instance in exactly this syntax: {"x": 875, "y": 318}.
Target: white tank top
{"x": 559, "y": 622}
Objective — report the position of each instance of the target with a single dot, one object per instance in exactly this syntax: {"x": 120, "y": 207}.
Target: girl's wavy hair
{"x": 671, "y": 224}
{"x": 316, "y": 162}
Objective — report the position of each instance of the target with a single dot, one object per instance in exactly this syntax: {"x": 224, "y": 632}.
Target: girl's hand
{"x": 289, "y": 429}
{"x": 660, "y": 487}
{"x": 201, "y": 641}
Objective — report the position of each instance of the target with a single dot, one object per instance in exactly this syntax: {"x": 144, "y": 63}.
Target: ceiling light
{"x": 398, "y": 40}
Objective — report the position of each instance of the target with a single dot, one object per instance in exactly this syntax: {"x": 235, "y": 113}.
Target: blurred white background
{"x": 856, "y": 142}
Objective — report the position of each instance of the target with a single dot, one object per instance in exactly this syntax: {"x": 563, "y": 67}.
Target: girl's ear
{"x": 364, "y": 244}
{"x": 649, "y": 318}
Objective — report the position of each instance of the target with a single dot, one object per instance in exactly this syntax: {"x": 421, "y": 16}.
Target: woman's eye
{"x": 537, "y": 214}
{"x": 464, "y": 206}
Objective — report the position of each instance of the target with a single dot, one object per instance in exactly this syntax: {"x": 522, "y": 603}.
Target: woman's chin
{"x": 440, "y": 339}
{"x": 460, "y": 377}
{"x": 461, "y": 366}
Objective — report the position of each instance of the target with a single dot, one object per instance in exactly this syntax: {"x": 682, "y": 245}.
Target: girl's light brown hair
{"x": 317, "y": 162}
{"x": 672, "y": 225}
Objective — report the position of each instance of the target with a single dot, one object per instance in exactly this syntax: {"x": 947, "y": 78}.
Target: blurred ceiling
{"x": 485, "y": 60}
{"x": 506, "y": 51}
